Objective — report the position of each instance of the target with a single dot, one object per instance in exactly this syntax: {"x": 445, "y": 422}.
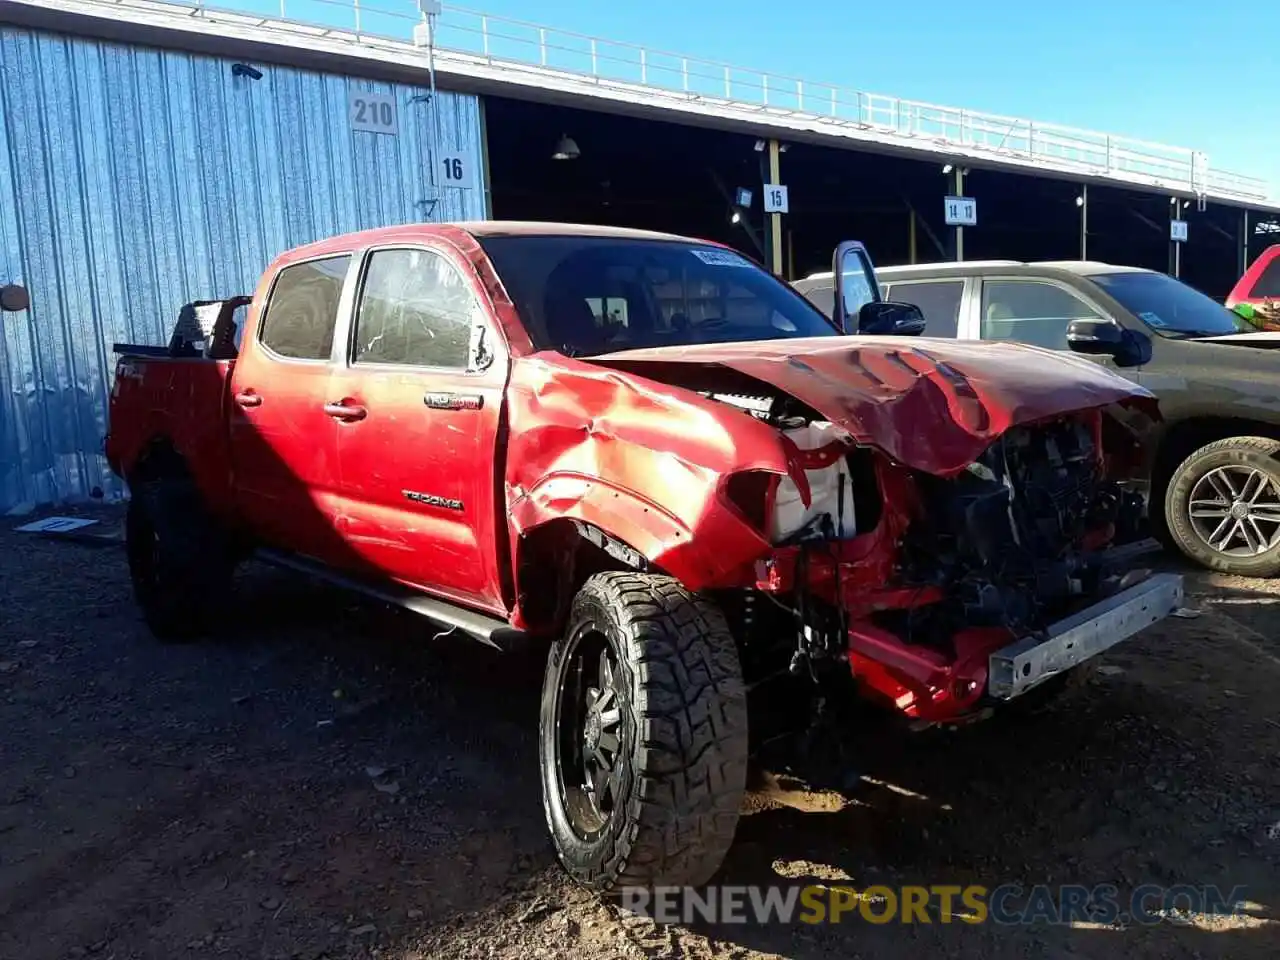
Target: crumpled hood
{"x": 931, "y": 404}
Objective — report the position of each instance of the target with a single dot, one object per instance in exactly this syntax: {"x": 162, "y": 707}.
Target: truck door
{"x": 419, "y": 394}
{"x": 283, "y": 443}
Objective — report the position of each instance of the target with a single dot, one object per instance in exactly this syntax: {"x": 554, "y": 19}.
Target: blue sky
{"x": 1204, "y": 75}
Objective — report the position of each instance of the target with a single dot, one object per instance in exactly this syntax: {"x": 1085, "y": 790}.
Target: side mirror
{"x": 13, "y": 298}
{"x": 855, "y": 283}
{"x": 1095, "y": 337}
{"x": 890, "y": 318}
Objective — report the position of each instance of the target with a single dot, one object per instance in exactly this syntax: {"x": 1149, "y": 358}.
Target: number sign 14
{"x": 373, "y": 112}
{"x": 960, "y": 211}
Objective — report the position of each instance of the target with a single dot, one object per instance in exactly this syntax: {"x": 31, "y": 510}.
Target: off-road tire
{"x": 683, "y": 740}
{"x": 180, "y": 564}
{"x": 1259, "y": 453}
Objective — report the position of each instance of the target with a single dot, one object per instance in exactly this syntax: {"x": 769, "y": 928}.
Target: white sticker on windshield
{"x": 1152, "y": 318}
{"x": 722, "y": 258}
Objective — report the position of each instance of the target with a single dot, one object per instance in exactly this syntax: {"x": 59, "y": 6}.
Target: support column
{"x": 958, "y": 232}
{"x": 775, "y": 219}
{"x": 911, "y": 235}
{"x": 1084, "y": 221}
{"x": 1244, "y": 244}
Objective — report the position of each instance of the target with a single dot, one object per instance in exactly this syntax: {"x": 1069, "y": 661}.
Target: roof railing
{"x": 505, "y": 41}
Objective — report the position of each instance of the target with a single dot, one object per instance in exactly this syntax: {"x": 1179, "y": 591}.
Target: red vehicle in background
{"x": 647, "y": 454}
{"x": 1256, "y": 295}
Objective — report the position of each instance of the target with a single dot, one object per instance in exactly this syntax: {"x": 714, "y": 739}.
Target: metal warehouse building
{"x": 154, "y": 153}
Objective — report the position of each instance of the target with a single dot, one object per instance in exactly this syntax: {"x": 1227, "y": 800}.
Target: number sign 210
{"x": 373, "y": 113}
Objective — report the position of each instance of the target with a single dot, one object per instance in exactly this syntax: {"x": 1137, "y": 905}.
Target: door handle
{"x": 247, "y": 398}
{"x": 346, "y": 412}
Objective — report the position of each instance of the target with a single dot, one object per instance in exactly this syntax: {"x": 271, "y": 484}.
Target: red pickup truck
{"x": 660, "y": 462}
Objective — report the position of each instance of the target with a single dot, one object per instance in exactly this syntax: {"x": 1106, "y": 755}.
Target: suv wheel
{"x": 1223, "y": 506}
{"x": 642, "y": 735}
{"x": 179, "y": 564}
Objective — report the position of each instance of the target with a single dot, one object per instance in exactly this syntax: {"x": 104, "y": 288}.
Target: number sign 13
{"x": 373, "y": 112}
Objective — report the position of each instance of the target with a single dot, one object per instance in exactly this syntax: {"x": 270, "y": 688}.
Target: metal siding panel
{"x": 134, "y": 180}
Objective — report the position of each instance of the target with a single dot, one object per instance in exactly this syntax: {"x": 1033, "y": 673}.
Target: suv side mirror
{"x": 13, "y": 298}
{"x": 888, "y": 317}
{"x": 1096, "y": 337}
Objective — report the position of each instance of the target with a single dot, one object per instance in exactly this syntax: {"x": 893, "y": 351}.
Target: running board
{"x": 488, "y": 630}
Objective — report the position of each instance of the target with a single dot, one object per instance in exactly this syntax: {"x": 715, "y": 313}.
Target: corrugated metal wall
{"x": 135, "y": 180}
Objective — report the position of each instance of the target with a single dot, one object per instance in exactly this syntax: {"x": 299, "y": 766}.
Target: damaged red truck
{"x": 657, "y": 460}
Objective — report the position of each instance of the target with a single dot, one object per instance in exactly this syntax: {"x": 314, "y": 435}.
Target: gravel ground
{"x": 326, "y": 781}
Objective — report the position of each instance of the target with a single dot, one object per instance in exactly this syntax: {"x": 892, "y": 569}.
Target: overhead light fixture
{"x": 1173, "y": 201}
{"x": 947, "y": 168}
{"x": 736, "y": 216}
{"x": 244, "y": 70}
{"x": 566, "y": 149}
{"x": 1080, "y": 201}
{"x": 759, "y": 147}
{"x": 1185, "y": 204}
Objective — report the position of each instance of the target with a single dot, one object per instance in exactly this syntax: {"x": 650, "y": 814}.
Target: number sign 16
{"x": 457, "y": 169}
{"x": 373, "y": 112}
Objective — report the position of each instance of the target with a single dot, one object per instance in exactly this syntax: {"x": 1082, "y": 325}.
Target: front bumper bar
{"x": 1015, "y": 669}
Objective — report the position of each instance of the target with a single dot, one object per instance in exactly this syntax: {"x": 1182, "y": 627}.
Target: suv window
{"x": 415, "y": 308}
{"x": 1030, "y": 311}
{"x": 822, "y": 296}
{"x": 303, "y": 309}
{"x": 938, "y": 300}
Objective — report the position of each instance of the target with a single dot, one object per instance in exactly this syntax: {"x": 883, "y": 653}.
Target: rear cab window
{"x": 302, "y": 310}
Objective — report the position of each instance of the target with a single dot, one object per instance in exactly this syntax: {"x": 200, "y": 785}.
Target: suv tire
{"x": 657, "y": 669}
{"x": 179, "y": 563}
{"x": 1234, "y": 485}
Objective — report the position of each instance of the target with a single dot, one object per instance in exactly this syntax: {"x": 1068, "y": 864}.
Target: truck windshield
{"x": 591, "y": 295}
{"x": 1169, "y": 307}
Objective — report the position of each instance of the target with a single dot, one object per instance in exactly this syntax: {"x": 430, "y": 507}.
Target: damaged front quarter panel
{"x": 642, "y": 461}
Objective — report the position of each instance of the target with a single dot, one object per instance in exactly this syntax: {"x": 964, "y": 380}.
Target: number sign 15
{"x": 775, "y": 198}
{"x": 373, "y": 112}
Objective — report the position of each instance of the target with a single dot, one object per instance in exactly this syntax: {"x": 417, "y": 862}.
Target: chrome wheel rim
{"x": 1235, "y": 510}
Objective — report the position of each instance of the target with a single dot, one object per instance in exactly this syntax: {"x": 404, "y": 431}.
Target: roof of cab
{"x": 476, "y": 228}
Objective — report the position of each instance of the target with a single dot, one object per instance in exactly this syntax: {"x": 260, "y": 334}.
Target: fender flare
{"x": 722, "y": 544}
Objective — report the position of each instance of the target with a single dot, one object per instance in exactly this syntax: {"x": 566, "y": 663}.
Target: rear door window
{"x": 303, "y": 309}
{"x": 1030, "y": 311}
{"x": 938, "y": 300}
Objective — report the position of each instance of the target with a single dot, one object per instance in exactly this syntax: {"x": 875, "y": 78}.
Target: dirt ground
{"x": 326, "y": 781}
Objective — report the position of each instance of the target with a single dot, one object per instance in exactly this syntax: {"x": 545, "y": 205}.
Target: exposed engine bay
{"x": 918, "y": 577}
{"x": 1021, "y": 533}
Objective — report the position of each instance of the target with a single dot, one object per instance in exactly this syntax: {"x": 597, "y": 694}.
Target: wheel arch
{"x": 1185, "y": 436}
